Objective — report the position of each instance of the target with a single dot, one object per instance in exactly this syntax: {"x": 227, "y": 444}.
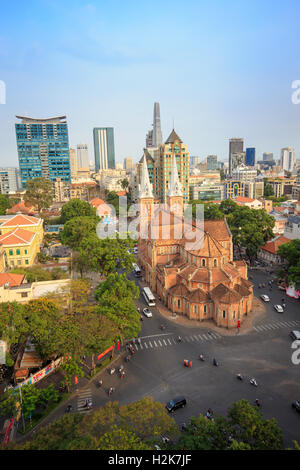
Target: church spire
{"x": 145, "y": 186}
{"x": 175, "y": 185}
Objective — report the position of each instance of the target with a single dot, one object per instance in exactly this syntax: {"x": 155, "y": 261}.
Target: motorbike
{"x": 239, "y": 377}
{"x": 111, "y": 371}
{"x": 215, "y": 363}
{"x": 201, "y": 357}
{"x": 127, "y": 358}
{"x": 253, "y": 382}
{"x": 99, "y": 383}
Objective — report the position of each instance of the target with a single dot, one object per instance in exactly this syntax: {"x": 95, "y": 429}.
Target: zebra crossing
{"x": 277, "y": 325}
{"x": 83, "y": 395}
{"x": 167, "y": 340}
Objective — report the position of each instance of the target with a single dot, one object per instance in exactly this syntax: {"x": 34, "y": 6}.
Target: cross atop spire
{"x": 145, "y": 186}
{"x": 175, "y": 185}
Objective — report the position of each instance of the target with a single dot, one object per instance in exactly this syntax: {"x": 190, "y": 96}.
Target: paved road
{"x": 157, "y": 369}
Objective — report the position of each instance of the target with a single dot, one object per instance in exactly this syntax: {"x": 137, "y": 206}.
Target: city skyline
{"x": 223, "y": 88}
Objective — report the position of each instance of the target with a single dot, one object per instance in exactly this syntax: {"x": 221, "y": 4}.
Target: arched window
{"x": 178, "y": 302}
{"x": 205, "y": 309}
{"x": 224, "y": 313}
{"x": 203, "y": 262}
{"x": 215, "y": 263}
{"x": 233, "y": 314}
{"x": 195, "y": 309}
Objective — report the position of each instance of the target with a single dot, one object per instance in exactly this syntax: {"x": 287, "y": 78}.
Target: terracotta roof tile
{"x": 273, "y": 245}
{"x": 13, "y": 279}
{"x": 19, "y": 236}
{"x": 20, "y": 219}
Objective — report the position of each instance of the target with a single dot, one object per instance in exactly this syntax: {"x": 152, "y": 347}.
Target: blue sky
{"x": 219, "y": 69}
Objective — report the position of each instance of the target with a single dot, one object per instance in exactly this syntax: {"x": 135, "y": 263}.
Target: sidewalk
{"x": 258, "y": 311}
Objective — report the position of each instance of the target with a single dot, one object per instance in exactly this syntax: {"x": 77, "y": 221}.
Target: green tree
{"x": 30, "y": 399}
{"x": 204, "y": 434}
{"x": 39, "y": 193}
{"x": 252, "y": 429}
{"x": 8, "y": 402}
{"x": 76, "y": 229}
{"x": 115, "y": 301}
{"x": 291, "y": 253}
{"x": 107, "y": 255}
{"x": 48, "y": 395}
{"x": 76, "y": 208}
{"x": 268, "y": 190}
{"x": 4, "y": 204}
{"x": 120, "y": 439}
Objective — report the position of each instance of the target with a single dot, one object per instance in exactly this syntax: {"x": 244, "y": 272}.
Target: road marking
{"x": 200, "y": 337}
{"x": 169, "y": 341}
{"x": 136, "y": 347}
{"x": 187, "y": 339}
{"x": 155, "y": 343}
{"x": 150, "y": 344}
{"x": 205, "y": 337}
{"x": 141, "y": 346}
{"x": 191, "y": 338}
{"x": 146, "y": 345}
{"x": 154, "y": 336}
{"x": 196, "y": 339}
{"x": 165, "y": 342}
{"x": 159, "y": 342}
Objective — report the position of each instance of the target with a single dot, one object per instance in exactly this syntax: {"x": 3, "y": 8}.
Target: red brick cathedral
{"x": 199, "y": 280}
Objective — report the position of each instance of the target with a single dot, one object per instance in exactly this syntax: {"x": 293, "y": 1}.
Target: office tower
{"x": 194, "y": 161}
{"x": 157, "y": 135}
{"x": 104, "y": 148}
{"x": 236, "y": 146}
{"x": 250, "y": 156}
{"x": 9, "y": 180}
{"x": 268, "y": 157}
{"x": 149, "y": 139}
{"x": 82, "y": 156}
{"x": 163, "y": 167}
{"x": 288, "y": 159}
{"x": 43, "y": 148}
{"x": 236, "y": 160}
{"x": 211, "y": 162}
{"x": 73, "y": 163}
{"x": 128, "y": 164}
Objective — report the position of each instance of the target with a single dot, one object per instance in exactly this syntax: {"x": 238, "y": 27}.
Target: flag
{"x": 76, "y": 380}
{"x": 118, "y": 345}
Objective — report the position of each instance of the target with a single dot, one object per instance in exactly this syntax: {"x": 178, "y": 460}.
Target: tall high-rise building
{"x": 154, "y": 137}
{"x": 236, "y": 146}
{"x": 163, "y": 163}
{"x": 250, "y": 156}
{"x": 128, "y": 164}
{"x": 288, "y": 159}
{"x": 194, "y": 161}
{"x": 73, "y": 163}
{"x": 82, "y": 156}
{"x": 9, "y": 180}
{"x": 268, "y": 157}
{"x": 43, "y": 148}
{"x": 104, "y": 148}
{"x": 157, "y": 134}
{"x": 211, "y": 162}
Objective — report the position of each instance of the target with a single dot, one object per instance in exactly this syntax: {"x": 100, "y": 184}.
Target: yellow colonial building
{"x": 20, "y": 240}
{"x": 26, "y": 222}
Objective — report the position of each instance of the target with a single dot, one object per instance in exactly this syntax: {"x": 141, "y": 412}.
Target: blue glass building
{"x": 250, "y": 156}
{"x": 43, "y": 149}
{"x": 104, "y": 148}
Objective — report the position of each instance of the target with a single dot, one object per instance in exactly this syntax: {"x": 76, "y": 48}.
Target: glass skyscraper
{"x": 250, "y": 156}
{"x": 104, "y": 148}
{"x": 43, "y": 149}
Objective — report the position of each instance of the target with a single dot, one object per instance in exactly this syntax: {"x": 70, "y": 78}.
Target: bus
{"x": 137, "y": 271}
{"x": 149, "y": 297}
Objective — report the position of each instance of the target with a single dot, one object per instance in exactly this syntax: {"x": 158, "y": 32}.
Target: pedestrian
{"x": 257, "y": 403}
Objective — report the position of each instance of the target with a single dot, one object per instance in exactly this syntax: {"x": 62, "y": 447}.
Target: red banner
{"x": 105, "y": 352}
{"x": 118, "y": 345}
{"x": 76, "y": 380}
{"x": 8, "y": 431}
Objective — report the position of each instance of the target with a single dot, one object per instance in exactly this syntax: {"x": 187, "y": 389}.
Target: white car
{"x": 147, "y": 313}
{"x": 278, "y": 308}
{"x": 265, "y": 298}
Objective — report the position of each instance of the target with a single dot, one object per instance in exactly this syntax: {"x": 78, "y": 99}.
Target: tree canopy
{"x": 4, "y": 204}
{"x": 38, "y": 193}
{"x": 76, "y": 208}
{"x": 291, "y": 253}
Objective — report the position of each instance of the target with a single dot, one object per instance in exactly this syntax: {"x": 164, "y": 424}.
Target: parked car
{"x": 296, "y": 405}
{"x": 295, "y": 334}
{"x": 178, "y": 402}
{"x": 147, "y": 312}
{"x": 265, "y": 298}
{"x": 279, "y": 308}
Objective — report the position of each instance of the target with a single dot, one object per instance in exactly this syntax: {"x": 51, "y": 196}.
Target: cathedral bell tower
{"x": 146, "y": 200}
{"x": 175, "y": 196}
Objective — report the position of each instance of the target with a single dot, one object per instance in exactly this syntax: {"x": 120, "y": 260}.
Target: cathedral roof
{"x": 198, "y": 295}
{"x": 242, "y": 290}
{"x": 148, "y": 156}
{"x": 172, "y": 138}
{"x": 225, "y": 295}
{"x": 180, "y": 290}
{"x": 208, "y": 246}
